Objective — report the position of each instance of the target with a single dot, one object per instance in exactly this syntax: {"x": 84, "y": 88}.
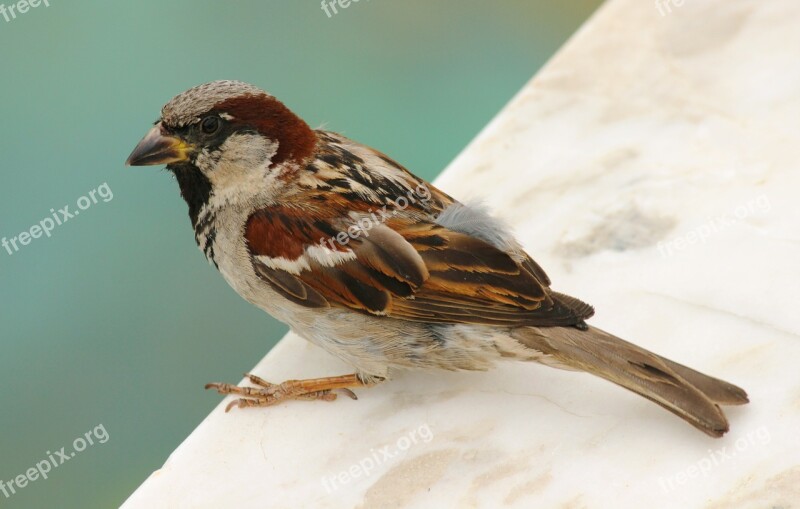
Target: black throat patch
{"x": 195, "y": 188}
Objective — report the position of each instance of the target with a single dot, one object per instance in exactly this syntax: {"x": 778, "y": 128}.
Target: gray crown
{"x": 187, "y": 107}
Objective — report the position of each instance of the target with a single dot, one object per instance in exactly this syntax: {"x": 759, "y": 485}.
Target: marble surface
{"x": 652, "y": 169}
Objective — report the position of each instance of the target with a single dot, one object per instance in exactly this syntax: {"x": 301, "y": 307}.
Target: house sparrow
{"x": 377, "y": 266}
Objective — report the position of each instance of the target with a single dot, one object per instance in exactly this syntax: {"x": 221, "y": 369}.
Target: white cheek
{"x": 244, "y": 151}
{"x": 242, "y": 168}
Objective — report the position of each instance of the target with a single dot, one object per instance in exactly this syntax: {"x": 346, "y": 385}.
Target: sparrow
{"x": 377, "y": 266}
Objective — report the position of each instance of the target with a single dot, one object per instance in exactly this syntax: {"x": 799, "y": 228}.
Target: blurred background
{"x": 116, "y": 320}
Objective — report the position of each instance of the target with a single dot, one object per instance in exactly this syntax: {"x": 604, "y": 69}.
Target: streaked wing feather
{"x": 417, "y": 271}
{"x": 291, "y": 287}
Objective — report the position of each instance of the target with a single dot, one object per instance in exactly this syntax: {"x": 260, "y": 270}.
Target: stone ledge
{"x": 651, "y": 168}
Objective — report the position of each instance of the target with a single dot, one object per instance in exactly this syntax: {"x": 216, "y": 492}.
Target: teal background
{"x": 117, "y": 319}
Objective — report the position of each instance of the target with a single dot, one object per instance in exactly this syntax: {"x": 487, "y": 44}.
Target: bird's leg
{"x": 268, "y": 394}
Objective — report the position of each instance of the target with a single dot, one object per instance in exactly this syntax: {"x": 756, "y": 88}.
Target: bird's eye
{"x": 210, "y": 125}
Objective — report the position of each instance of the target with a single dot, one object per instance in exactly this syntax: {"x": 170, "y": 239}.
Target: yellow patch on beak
{"x": 157, "y": 147}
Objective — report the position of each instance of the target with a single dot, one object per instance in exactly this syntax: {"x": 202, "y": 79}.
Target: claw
{"x": 267, "y": 394}
{"x": 350, "y": 394}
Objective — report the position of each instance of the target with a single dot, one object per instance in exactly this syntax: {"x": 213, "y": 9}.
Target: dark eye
{"x": 210, "y": 125}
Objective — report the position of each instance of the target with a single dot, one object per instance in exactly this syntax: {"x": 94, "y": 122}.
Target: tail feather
{"x": 692, "y": 396}
{"x": 718, "y": 391}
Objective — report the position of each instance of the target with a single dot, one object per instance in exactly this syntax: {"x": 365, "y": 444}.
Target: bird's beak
{"x": 157, "y": 147}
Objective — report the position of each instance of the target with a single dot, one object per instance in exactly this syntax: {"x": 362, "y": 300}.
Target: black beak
{"x": 158, "y": 148}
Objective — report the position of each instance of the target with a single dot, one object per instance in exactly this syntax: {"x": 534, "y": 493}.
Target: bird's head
{"x": 225, "y": 138}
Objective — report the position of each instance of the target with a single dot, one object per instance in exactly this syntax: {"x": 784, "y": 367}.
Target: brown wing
{"x": 407, "y": 269}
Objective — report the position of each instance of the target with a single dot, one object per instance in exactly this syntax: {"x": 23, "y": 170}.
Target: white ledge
{"x": 651, "y": 168}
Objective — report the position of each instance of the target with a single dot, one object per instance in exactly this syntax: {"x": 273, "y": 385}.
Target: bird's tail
{"x": 691, "y": 395}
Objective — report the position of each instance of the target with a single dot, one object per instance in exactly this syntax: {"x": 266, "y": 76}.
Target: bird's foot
{"x": 269, "y": 394}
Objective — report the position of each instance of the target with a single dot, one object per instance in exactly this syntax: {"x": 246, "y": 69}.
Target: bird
{"x": 377, "y": 266}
